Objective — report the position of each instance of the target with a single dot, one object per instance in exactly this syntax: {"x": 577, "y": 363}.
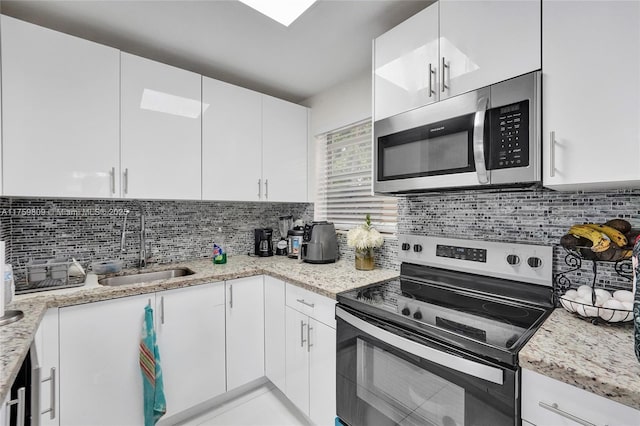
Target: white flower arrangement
{"x": 364, "y": 237}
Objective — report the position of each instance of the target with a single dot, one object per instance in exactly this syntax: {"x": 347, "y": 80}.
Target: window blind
{"x": 344, "y": 180}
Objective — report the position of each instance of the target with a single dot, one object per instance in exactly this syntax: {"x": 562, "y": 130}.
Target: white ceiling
{"x": 225, "y": 39}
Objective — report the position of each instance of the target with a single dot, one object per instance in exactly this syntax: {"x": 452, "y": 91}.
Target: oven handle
{"x": 481, "y": 371}
{"x": 478, "y": 140}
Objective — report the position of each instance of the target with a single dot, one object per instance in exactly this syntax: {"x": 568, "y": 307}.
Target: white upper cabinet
{"x": 231, "y": 142}
{"x": 406, "y": 65}
{"x": 484, "y": 42}
{"x": 161, "y": 113}
{"x": 453, "y": 47}
{"x": 60, "y": 114}
{"x": 284, "y": 150}
{"x": 591, "y": 94}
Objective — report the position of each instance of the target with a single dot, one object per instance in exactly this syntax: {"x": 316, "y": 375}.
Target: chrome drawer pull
{"x": 302, "y": 339}
{"x": 19, "y": 401}
{"x": 554, "y": 409}
{"x": 52, "y": 395}
{"x": 311, "y": 305}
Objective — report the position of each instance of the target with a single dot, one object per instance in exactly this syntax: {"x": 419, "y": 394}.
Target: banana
{"x": 613, "y": 234}
{"x": 600, "y": 241}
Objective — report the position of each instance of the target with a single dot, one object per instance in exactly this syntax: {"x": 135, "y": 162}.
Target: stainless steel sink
{"x": 144, "y": 277}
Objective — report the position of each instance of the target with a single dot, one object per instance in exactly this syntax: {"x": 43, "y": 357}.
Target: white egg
{"x": 584, "y": 290}
{"x": 580, "y": 305}
{"x": 602, "y": 296}
{"x": 566, "y": 303}
{"x": 627, "y": 305}
{"x": 610, "y": 311}
{"x": 571, "y": 294}
{"x": 623, "y": 296}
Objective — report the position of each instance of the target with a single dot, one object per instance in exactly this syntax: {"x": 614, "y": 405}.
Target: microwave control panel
{"x": 509, "y": 138}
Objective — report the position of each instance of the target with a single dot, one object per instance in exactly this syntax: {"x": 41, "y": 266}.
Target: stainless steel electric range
{"x": 439, "y": 346}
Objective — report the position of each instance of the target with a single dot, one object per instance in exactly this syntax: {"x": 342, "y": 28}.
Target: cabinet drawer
{"x": 318, "y": 307}
{"x": 546, "y": 401}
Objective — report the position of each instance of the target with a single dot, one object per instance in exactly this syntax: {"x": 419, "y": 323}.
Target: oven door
{"x": 389, "y": 376}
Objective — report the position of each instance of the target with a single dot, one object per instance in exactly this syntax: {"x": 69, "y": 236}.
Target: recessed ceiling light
{"x": 283, "y": 11}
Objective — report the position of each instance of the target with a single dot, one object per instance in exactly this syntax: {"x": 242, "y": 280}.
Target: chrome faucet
{"x": 142, "y": 260}
{"x": 124, "y": 231}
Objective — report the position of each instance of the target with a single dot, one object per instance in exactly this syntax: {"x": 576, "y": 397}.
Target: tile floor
{"x": 262, "y": 406}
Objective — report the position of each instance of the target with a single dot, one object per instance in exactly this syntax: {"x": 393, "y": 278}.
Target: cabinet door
{"x": 591, "y": 82}
{"x": 297, "y": 359}
{"x": 231, "y": 142}
{"x": 191, "y": 336}
{"x": 274, "y": 331}
{"x": 546, "y": 401}
{"x": 60, "y": 114}
{"x": 487, "y": 41}
{"x": 322, "y": 373}
{"x": 406, "y": 65}
{"x": 46, "y": 342}
{"x": 161, "y": 130}
{"x": 245, "y": 331}
{"x": 100, "y": 379}
{"x": 284, "y": 150}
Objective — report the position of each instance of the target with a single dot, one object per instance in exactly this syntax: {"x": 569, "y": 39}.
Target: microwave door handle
{"x": 466, "y": 366}
{"x": 478, "y": 140}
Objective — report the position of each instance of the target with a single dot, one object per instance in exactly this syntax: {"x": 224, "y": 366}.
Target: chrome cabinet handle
{"x": 125, "y": 175}
{"x": 52, "y": 395}
{"x": 442, "y": 71}
{"x": 19, "y": 401}
{"x": 162, "y": 310}
{"x": 259, "y": 188}
{"x": 554, "y": 409}
{"x": 311, "y": 305}
{"x": 231, "y": 295}
{"x": 302, "y": 339}
{"x": 431, "y": 75}
{"x": 112, "y": 174}
{"x": 552, "y": 154}
{"x": 478, "y": 141}
{"x": 266, "y": 189}
{"x": 309, "y": 328}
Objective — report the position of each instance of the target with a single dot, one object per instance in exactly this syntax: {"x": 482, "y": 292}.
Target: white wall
{"x": 339, "y": 106}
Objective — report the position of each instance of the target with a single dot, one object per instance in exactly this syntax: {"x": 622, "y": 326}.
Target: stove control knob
{"x": 417, "y": 248}
{"x": 534, "y": 262}
{"x": 406, "y": 246}
{"x": 406, "y": 311}
{"x": 417, "y": 315}
{"x": 513, "y": 259}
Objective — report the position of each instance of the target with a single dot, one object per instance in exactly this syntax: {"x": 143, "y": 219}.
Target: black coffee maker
{"x": 263, "y": 242}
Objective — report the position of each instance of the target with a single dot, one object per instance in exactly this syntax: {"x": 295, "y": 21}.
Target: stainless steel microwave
{"x": 488, "y": 137}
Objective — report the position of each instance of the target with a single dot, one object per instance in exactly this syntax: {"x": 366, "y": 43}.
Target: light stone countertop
{"x": 596, "y": 358}
{"x": 327, "y": 280}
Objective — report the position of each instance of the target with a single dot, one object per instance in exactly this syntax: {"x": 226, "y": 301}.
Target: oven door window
{"x": 440, "y": 148}
{"x": 405, "y": 393}
{"x": 379, "y": 384}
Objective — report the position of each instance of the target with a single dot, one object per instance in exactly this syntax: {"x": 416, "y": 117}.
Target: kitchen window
{"x": 344, "y": 180}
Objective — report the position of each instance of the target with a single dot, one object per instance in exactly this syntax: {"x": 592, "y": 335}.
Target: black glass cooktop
{"x": 489, "y": 316}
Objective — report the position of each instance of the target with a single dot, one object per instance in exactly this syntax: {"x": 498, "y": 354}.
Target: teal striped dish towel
{"x": 155, "y": 405}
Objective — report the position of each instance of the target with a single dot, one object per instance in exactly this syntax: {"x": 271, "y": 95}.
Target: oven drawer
{"x": 318, "y": 307}
{"x": 546, "y": 401}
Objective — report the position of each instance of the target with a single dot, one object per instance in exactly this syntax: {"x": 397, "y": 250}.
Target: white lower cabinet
{"x": 46, "y": 342}
{"x": 311, "y": 355}
{"x": 274, "y": 331}
{"x": 245, "y": 330}
{"x": 546, "y": 401}
{"x": 100, "y": 381}
{"x": 190, "y": 329}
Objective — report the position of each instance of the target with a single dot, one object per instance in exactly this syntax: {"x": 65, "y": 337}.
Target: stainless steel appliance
{"x": 23, "y": 404}
{"x": 294, "y": 242}
{"x": 319, "y": 243}
{"x": 439, "y": 346}
{"x": 263, "y": 244}
{"x": 487, "y": 137}
{"x": 285, "y": 223}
